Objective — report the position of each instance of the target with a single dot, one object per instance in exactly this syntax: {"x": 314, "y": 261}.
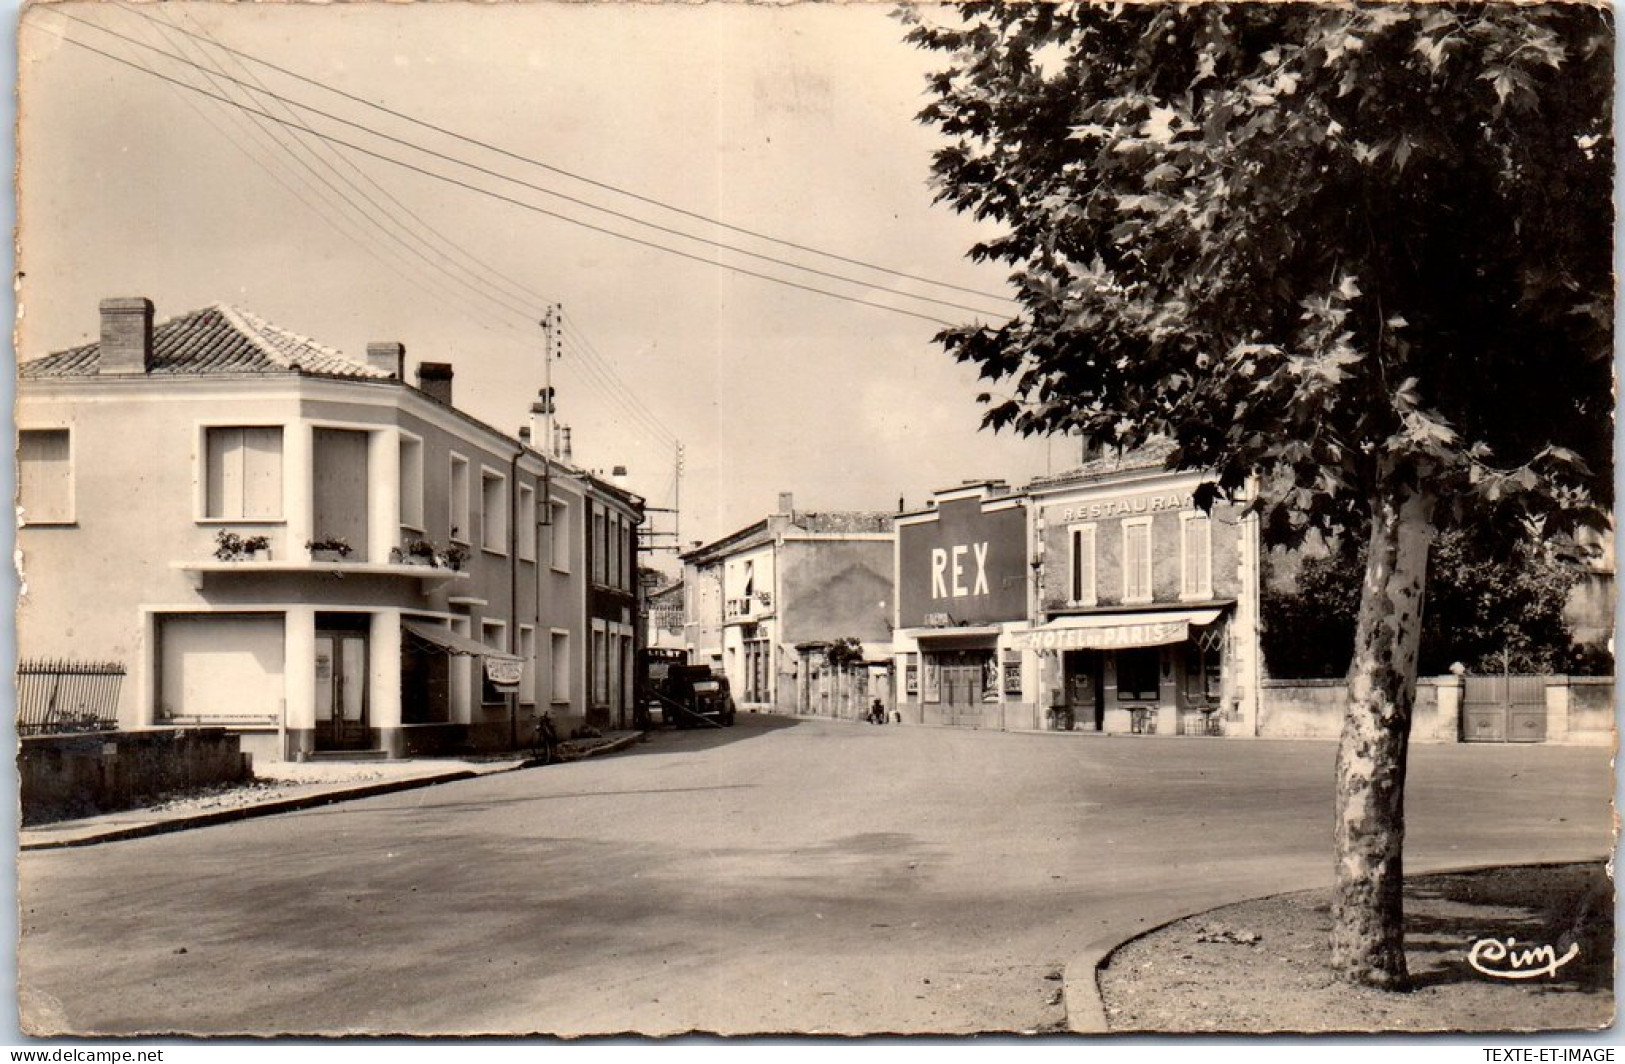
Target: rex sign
{"x": 963, "y": 566}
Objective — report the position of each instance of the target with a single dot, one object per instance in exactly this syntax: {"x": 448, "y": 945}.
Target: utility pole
{"x": 677, "y": 501}
{"x": 553, "y": 347}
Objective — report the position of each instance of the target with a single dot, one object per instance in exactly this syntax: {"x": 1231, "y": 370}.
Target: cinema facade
{"x": 1102, "y": 599}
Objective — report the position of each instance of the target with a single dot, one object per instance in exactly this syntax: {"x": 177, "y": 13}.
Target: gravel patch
{"x": 1261, "y": 966}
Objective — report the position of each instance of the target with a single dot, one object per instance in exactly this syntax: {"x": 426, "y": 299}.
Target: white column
{"x": 383, "y": 495}
{"x": 384, "y": 679}
{"x": 299, "y": 677}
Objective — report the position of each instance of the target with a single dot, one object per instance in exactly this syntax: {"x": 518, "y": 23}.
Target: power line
{"x": 606, "y": 186}
{"x": 530, "y": 186}
{"x": 509, "y": 199}
{"x": 609, "y": 387}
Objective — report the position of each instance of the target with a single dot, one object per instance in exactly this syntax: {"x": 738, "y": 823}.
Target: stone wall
{"x": 1579, "y": 709}
{"x": 79, "y": 775}
{"x": 1313, "y": 709}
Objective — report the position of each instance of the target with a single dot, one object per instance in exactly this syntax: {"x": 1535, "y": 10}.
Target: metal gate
{"x": 1503, "y": 709}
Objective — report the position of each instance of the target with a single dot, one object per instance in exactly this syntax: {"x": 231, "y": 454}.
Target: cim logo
{"x": 1503, "y": 960}
{"x": 949, "y": 570}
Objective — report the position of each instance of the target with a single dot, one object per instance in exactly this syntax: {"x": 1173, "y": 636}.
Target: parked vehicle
{"x": 694, "y": 695}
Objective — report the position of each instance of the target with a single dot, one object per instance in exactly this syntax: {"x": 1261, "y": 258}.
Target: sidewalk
{"x": 286, "y": 786}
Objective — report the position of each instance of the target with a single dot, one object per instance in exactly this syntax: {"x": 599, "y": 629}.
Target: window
{"x": 45, "y": 476}
{"x": 561, "y": 536}
{"x": 560, "y": 660}
{"x": 527, "y": 653}
{"x": 598, "y": 552}
{"x": 1139, "y": 675}
{"x": 219, "y": 667}
{"x": 1137, "y": 560}
{"x": 1196, "y": 556}
{"x": 600, "y": 665}
{"x": 493, "y": 634}
{"x": 1204, "y": 670}
{"x": 494, "y": 512}
{"x": 411, "y": 474}
{"x": 1083, "y": 565}
{"x": 457, "y": 491}
{"x": 243, "y": 474}
{"x": 526, "y": 516}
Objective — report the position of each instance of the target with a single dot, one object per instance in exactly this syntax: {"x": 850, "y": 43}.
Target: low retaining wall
{"x": 79, "y": 775}
{"x": 1579, "y": 709}
{"x": 1314, "y": 709}
{"x": 1591, "y": 710}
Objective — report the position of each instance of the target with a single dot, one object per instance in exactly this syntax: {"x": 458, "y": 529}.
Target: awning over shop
{"x": 1114, "y": 631}
{"x": 963, "y": 637}
{"x": 500, "y": 668}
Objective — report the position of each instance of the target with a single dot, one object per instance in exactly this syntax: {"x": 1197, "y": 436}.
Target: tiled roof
{"x": 214, "y": 340}
{"x": 1153, "y": 455}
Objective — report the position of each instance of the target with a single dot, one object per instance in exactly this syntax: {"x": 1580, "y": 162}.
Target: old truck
{"x": 692, "y": 696}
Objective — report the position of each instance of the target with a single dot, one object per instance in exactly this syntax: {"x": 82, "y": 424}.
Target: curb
{"x": 1086, "y": 1009}
{"x": 250, "y": 812}
{"x": 293, "y": 805}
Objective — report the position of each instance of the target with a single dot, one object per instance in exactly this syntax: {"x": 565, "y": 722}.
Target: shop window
{"x": 45, "y": 476}
{"x": 243, "y": 473}
{"x": 1139, "y": 675}
{"x": 1204, "y": 679}
{"x": 1137, "y": 560}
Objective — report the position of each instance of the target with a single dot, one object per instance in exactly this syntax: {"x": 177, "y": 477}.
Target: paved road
{"x": 779, "y": 876}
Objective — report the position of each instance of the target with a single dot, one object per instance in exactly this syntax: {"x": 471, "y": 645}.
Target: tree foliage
{"x": 1483, "y": 600}
{"x": 1340, "y": 245}
{"x": 1353, "y": 259}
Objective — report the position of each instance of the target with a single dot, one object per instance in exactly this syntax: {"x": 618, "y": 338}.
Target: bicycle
{"x": 544, "y": 740}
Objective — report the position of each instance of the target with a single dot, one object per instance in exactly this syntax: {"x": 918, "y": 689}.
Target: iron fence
{"x": 61, "y": 697}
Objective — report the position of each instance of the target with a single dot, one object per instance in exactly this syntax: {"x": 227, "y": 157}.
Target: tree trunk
{"x": 1368, "y": 916}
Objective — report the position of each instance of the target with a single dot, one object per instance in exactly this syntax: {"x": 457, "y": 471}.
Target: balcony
{"x": 429, "y": 576}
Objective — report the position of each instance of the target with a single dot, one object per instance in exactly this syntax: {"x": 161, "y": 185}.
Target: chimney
{"x": 126, "y": 336}
{"x": 434, "y": 380}
{"x": 538, "y": 425}
{"x": 617, "y": 476}
{"x": 389, "y": 356}
{"x": 787, "y": 502}
{"x": 564, "y": 444}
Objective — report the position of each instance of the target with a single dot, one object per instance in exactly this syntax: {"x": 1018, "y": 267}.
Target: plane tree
{"x": 1352, "y": 260}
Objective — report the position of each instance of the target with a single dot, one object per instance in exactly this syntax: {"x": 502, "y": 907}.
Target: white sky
{"x": 794, "y": 121}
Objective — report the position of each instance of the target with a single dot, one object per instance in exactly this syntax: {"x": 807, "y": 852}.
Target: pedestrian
{"x": 877, "y": 713}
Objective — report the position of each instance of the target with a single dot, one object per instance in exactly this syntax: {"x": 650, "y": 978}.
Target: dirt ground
{"x": 1261, "y": 966}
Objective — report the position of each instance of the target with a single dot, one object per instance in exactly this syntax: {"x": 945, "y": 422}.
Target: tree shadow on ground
{"x": 1560, "y": 907}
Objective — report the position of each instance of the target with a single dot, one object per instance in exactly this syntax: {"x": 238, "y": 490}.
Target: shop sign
{"x": 965, "y": 567}
{"x": 504, "y": 672}
{"x": 1115, "y": 637}
{"x": 1132, "y": 507}
{"x": 1012, "y": 677}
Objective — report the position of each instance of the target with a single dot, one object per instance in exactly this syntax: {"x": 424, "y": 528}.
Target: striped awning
{"x": 1113, "y": 631}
